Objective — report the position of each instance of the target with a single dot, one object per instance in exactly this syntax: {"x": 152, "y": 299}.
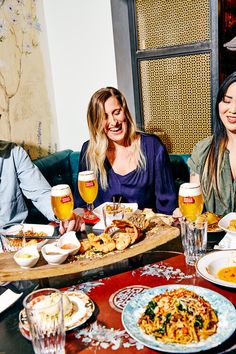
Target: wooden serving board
{"x": 10, "y": 271}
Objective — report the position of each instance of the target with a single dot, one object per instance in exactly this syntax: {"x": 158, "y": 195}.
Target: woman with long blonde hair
{"x": 130, "y": 165}
{"x": 213, "y": 161}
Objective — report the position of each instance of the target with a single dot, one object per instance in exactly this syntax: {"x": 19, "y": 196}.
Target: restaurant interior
{"x": 129, "y": 279}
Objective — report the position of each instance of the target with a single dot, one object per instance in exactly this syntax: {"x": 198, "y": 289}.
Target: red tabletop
{"x": 104, "y": 332}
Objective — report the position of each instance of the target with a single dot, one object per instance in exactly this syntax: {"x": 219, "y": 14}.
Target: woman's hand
{"x": 75, "y": 223}
{"x": 177, "y": 213}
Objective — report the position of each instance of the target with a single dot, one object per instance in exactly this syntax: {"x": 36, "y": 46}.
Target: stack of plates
{"x": 231, "y": 45}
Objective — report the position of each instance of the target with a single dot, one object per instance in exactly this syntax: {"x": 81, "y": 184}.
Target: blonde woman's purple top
{"x": 152, "y": 187}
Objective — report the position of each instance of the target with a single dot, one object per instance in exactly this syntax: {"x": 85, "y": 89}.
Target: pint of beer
{"x": 190, "y": 200}
{"x": 88, "y": 187}
{"x": 62, "y": 201}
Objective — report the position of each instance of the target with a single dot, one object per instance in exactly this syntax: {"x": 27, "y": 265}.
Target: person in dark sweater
{"x": 130, "y": 165}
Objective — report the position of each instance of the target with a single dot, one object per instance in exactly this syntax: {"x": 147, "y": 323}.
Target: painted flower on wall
{"x": 25, "y": 114}
{"x": 18, "y": 30}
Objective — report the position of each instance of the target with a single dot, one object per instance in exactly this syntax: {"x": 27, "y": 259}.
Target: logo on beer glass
{"x": 62, "y": 201}
{"x": 190, "y": 200}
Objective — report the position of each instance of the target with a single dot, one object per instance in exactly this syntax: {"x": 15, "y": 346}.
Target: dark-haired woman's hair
{"x": 214, "y": 159}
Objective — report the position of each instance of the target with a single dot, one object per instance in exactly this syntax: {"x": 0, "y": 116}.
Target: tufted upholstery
{"x": 58, "y": 168}
{"x": 180, "y": 169}
{"x": 62, "y": 167}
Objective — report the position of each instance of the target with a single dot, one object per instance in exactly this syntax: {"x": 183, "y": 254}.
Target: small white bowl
{"x": 27, "y": 256}
{"x": 54, "y": 255}
{"x": 224, "y": 223}
{"x": 69, "y": 242}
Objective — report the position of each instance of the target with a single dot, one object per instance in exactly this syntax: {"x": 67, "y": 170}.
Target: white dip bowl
{"x": 27, "y": 256}
{"x": 69, "y": 242}
{"x": 54, "y": 255}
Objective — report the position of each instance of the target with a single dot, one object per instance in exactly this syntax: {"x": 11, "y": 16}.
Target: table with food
{"x": 134, "y": 293}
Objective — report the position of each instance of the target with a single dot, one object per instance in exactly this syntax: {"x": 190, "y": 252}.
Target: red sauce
{"x": 68, "y": 246}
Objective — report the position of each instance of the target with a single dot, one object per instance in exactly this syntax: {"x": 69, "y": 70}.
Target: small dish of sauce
{"x": 227, "y": 274}
{"x": 68, "y": 246}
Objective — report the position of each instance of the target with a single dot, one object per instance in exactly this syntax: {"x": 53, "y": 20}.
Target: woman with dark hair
{"x": 128, "y": 163}
{"x": 213, "y": 160}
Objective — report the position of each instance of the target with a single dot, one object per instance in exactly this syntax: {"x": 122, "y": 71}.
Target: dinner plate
{"x": 209, "y": 265}
{"x": 83, "y": 308}
{"x": 47, "y": 229}
{"x": 225, "y": 311}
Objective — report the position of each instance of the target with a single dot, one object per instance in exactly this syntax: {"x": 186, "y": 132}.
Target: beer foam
{"x": 60, "y": 190}
{"x": 189, "y": 189}
{"x": 86, "y": 176}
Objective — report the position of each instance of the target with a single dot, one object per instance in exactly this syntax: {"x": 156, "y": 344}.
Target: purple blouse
{"x": 152, "y": 187}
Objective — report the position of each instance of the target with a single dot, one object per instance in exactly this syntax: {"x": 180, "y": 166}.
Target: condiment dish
{"x": 54, "y": 255}
{"x": 69, "y": 242}
{"x": 27, "y": 256}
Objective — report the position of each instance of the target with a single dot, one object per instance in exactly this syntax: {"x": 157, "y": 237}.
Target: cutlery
{"x": 33, "y": 237}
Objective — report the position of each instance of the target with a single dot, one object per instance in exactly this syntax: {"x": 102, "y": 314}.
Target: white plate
{"x": 7, "y": 299}
{"x": 224, "y": 223}
{"x": 83, "y": 308}
{"x": 209, "y": 265}
{"x": 225, "y": 311}
{"x": 48, "y": 229}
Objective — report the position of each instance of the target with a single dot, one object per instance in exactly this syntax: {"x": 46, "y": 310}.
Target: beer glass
{"x": 190, "y": 200}
{"x": 62, "y": 201}
{"x": 88, "y": 188}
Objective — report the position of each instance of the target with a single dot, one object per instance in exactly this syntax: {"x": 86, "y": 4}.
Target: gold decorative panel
{"x": 176, "y": 96}
{"x": 165, "y": 23}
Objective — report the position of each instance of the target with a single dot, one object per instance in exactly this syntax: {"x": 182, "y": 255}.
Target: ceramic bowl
{"x": 54, "y": 255}
{"x": 69, "y": 242}
{"x": 27, "y": 256}
{"x": 225, "y": 221}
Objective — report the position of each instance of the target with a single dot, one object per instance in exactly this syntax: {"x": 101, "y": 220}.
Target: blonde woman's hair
{"x": 98, "y": 143}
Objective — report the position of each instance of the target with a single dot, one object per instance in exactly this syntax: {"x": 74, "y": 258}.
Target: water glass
{"x": 110, "y": 214}
{"x": 44, "y": 310}
{"x": 194, "y": 238}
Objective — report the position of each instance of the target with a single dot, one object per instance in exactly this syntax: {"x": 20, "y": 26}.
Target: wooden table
{"x": 10, "y": 271}
{"x": 104, "y": 332}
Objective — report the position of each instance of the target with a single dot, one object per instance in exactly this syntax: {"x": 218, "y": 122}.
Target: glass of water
{"x": 194, "y": 238}
{"x": 44, "y": 310}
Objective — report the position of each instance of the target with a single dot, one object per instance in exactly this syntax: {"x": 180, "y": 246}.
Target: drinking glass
{"x": 194, "y": 238}
{"x": 190, "y": 200}
{"x": 44, "y": 310}
{"x": 88, "y": 189}
{"x": 62, "y": 201}
{"x": 113, "y": 214}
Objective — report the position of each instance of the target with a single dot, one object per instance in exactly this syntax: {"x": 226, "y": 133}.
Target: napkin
{"x": 99, "y": 225}
{"x": 7, "y": 298}
{"x": 227, "y": 242}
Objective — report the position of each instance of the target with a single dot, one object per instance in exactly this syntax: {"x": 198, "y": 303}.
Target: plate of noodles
{"x": 179, "y": 318}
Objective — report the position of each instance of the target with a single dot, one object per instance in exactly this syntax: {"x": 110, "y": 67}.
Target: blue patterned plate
{"x": 224, "y": 308}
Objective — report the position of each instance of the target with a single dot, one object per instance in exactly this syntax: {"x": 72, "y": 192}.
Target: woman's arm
{"x": 194, "y": 177}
